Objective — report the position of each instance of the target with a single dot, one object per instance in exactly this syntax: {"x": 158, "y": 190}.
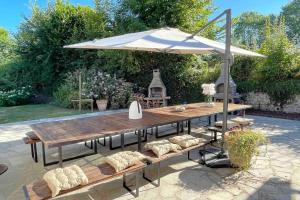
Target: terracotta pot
{"x": 102, "y": 104}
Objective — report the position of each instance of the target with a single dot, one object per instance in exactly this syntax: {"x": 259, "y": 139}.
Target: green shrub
{"x": 282, "y": 92}
{"x": 15, "y": 97}
{"x": 242, "y": 146}
{"x": 122, "y": 96}
{"x": 63, "y": 96}
{"x": 95, "y": 85}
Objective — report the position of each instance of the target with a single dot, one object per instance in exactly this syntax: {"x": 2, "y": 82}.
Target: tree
{"x": 188, "y": 15}
{"x": 291, "y": 13}
{"x": 181, "y": 71}
{"x": 249, "y": 29}
{"x": 283, "y": 59}
{"x": 41, "y": 38}
{"x": 6, "y": 48}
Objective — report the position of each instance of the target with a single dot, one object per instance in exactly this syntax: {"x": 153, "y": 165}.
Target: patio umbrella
{"x": 165, "y": 40}
{"x": 172, "y": 40}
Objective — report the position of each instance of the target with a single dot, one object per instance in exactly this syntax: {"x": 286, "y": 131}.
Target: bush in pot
{"x": 242, "y": 145}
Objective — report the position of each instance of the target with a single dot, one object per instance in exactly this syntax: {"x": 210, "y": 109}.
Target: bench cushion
{"x": 65, "y": 178}
{"x": 230, "y": 124}
{"x": 185, "y": 141}
{"x": 242, "y": 121}
{"x": 162, "y": 147}
{"x": 123, "y": 160}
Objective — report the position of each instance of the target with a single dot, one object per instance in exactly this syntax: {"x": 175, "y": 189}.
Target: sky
{"x": 12, "y": 12}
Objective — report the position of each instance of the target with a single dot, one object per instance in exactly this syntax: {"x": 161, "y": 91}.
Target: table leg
{"x": 139, "y": 141}
{"x": 60, "y": 162}
{"x": 189, "y": 127}
{"x": 92, "y": 106}
{"x": 181, "y": 128}
{"x": 209, "y": 120}
{"x": 122, "y": 141}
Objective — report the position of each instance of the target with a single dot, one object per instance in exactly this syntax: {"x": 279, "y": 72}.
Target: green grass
{"x": 31, "y": 112}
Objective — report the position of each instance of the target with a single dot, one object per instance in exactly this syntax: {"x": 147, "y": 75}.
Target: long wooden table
{"x": 60, "y": 133}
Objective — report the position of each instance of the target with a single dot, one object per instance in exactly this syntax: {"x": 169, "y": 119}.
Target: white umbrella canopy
{"x": 167, "y": 40}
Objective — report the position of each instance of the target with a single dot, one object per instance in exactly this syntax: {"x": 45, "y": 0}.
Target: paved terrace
{"x": 275, "y": 173}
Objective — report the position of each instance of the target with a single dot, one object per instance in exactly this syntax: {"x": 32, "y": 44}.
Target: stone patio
{"x": 275, "y": 173}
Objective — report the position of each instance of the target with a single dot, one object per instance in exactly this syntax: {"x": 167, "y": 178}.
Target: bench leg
{"x": 137, "y": 184}
{"x": 189, "y": 158}
{"x": 35, "y": 153}
{"x": 157, "y": 173}
{"x": 32, "y": 153}
{"x": 104, "y": 142}
{"x": 189, "y": 126}
{"x": 86, "y": 144}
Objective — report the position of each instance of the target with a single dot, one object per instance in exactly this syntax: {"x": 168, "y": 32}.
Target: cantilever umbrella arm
{"x": 228, "y": 62}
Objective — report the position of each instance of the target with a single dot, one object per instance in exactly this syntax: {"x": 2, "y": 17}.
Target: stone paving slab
{"x": 275, "y": 173}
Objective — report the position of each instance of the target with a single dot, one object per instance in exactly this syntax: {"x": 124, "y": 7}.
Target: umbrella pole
{"x": 221, "y": 160}
{"x": 227, "y": 71}
{"x": 79, "y": 92}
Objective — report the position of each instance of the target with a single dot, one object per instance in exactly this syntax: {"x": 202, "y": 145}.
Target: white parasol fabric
{"x": 167, "y": 40}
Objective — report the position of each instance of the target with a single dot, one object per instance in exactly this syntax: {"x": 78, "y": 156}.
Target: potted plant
{"x": 101, "y": 94}
{"x": 242, "y": 145}
{"x": 98, "y": 85}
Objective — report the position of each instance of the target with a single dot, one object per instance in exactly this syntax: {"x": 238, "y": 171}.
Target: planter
{"x": 102, "y": 104}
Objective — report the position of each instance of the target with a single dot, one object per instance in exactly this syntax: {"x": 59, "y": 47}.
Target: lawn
{"x": 31, "y": 112}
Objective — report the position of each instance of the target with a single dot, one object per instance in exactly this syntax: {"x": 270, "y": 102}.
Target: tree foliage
{"x": 6, "y": 47}
{"x": 249, "y": 29}
{"x": 273, "y": 74}
{"x": 291, "y": 13}
{"x": 132, "y": 16}
{"x": 41, "y": 39}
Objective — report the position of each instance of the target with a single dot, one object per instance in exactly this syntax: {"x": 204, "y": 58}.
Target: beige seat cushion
{"x": 185, "y": 141}
{"x": 242, "y": 121}
{"x": 230, "y": 124}
{"x": 123, "y": 160}
{"x": 65, "y": 178}
{"x": 162, "y": 147}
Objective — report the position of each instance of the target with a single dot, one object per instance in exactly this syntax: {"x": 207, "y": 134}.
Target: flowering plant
{"x": 98, "y": 85}
{"x": 16, "y": 96}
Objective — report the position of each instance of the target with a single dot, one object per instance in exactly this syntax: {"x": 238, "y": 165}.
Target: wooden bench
{"x": 39, "y": 189}
{"x": 154, "y": 160}
{"x": 31, "y": 138}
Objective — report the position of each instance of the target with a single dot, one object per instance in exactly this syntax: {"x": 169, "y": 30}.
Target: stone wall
{"x": 262, "y": 101}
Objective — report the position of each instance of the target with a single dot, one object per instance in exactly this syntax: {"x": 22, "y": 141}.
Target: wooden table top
{"x": 71, "y": 131}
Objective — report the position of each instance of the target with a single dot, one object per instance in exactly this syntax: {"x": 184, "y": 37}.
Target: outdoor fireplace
{"x": 157, "y": 90}
{"x": 233, "y": 96}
